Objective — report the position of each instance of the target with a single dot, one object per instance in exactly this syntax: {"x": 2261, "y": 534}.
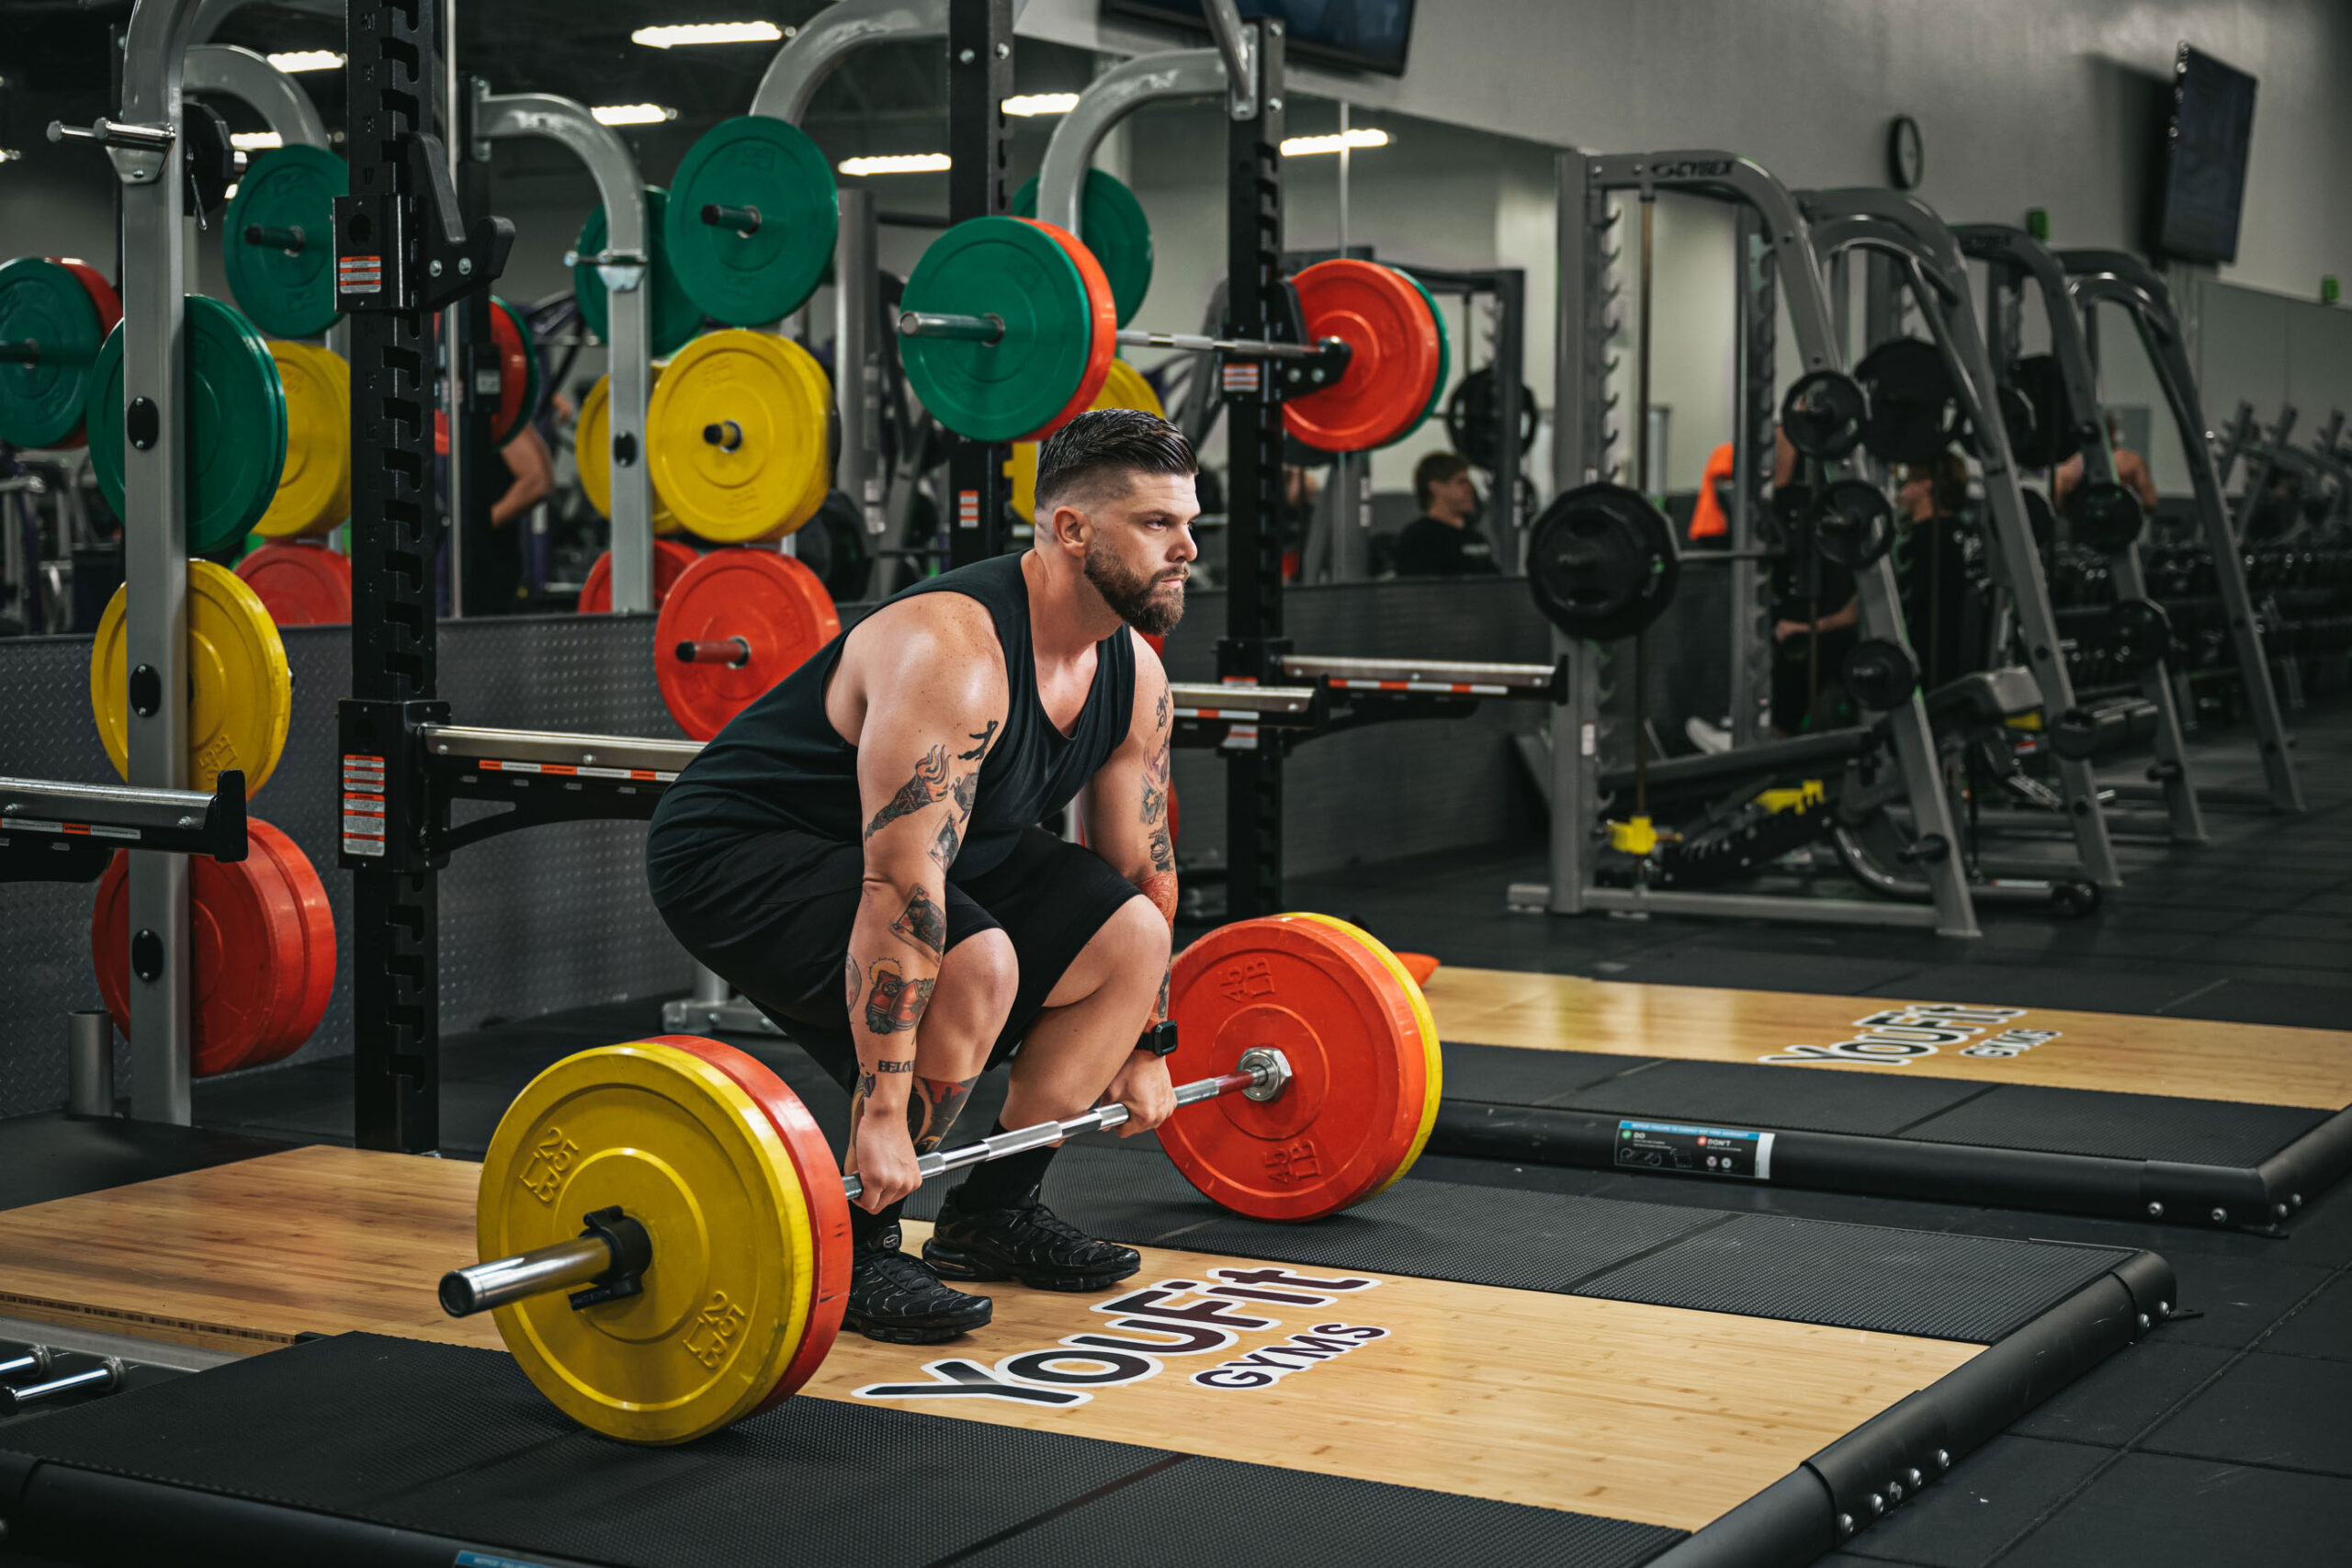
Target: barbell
{"x": 665, "y": 1237}
{"x": 1009, "y": 326}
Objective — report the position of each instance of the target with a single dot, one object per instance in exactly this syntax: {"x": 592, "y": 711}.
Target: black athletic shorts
{"x": 772, "y": 912}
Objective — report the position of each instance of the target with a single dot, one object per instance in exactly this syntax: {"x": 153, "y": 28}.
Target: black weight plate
{"x": 2138, "y": 634}
{"x": 2055, "y": 439}
{"x": 1911, "y": 416}
{"x": 1470, "y": 418}
{"x": 2105, "y": 516}
{"x": 1601, "y": 562}
{"x": 1879, "y": 673}
{"x": 2019, "y": 417}
{"x": 1823, "y": 414}
{"x": 2041, "y": 520}
{"x": 1853, "y": 523}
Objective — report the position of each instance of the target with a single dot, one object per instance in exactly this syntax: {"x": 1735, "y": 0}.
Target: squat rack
{"x": 1929, "y": 260}
{"x": 1779, "y": 261}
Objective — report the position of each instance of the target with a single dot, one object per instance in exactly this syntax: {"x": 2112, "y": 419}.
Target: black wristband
{"x": 1159, "y": 1039}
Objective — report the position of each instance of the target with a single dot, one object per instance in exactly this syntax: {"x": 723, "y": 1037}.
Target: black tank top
{"x": 781, "y": 764}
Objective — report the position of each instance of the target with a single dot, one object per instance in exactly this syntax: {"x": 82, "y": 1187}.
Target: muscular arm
{"x": 2131, "y": 471}
{"x": 932, "y": 700}
{"x": 534, "y": 470}
{"x": 1126, "y": 801}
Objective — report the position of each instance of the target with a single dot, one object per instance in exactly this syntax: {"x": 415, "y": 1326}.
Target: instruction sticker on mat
{"x": 1696, "y": 1151}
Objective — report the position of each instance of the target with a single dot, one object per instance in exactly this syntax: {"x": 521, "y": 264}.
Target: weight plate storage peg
{"x": 736, "y": 437}
{"x": 1112, "y": 223}
{"x": 249, "y": 974}
{"x": 314, "y": 486}
{"x": 299, "y": 584}
{"x": 675, "y": 315}
{"x": 278, "y": 241}
{"x": 235, "y": 430}
{"x": 752, "y": 219}
{"x": 1357, "y": 1108}
{"x": 1393, "y": 337}
{"x": 736, "y": 623}
{"x": 592, "y": 452}
{"x": 671, "y": 559}
{"x": 241, "y": 691}
{"x": 1603, "y": 562}
{"x": 1823, "y": 414}
{"x": 54, "y": 317}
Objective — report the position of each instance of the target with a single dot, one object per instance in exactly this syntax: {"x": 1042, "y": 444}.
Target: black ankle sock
{"x": 1001, "y": 1183}
{"x": 864, "y": 1228}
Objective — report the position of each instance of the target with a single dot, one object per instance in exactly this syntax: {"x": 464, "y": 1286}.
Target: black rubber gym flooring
{"x": 2221, "y": 1439}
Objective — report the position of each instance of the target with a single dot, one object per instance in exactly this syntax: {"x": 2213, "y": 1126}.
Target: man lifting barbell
{"x": 856, "y": 852}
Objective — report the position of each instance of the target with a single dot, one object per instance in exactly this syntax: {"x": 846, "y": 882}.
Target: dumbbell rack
{"x": 1778, "y": 263}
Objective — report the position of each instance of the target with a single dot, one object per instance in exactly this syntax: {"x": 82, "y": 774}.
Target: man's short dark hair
{"x": 1107, "y": 444}
{"x": 1434, "y": 470}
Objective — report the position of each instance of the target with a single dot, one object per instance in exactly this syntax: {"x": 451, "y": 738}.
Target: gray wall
{"x": 2024, "y": 103}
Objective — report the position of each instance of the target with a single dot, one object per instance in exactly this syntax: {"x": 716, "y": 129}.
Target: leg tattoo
{"x": 932, "y": 1109}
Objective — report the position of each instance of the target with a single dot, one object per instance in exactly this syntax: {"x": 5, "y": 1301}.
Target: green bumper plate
{"x": 1000, "y": 390}
{"x": 676, "y": 316}
{"x": 1112, "y": 223}
{"x": 235, "y": 430}
{"x": 286, "y": 294}
{"x": 45, "y": 305}
{"x": 754, "y": 165}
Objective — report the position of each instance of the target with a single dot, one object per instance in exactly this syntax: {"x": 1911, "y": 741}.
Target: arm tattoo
{"x": 1161, "y": 1012}
{"x": 927, "y": 784}
{"x": 983, "y": 737}
{"x": 932, "y": 1110}
{"x": 1163, "y": 853}
{"x": 853, "y": 979}
{"x": 966, "y": 790}
{"x": 923, "y": 923}
{"x": 945, "y": 847}
{"x": 894, "y": 1004}
{"x": 1159, "y": 711}
{"x": 1155, "y": 803}
{"x": 906, "y": 1066}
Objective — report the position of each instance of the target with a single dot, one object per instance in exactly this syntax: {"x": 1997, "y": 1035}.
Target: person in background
{"x": 1710, "y": 518}
{"x": 1441, "y": 542}
{"x": 1937, "y": 583}
{"x": 494, "y": 565}
{"x": 2131, "y": 471}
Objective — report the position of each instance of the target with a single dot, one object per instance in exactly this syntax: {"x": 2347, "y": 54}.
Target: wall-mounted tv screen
{"x": 2201, "y": 185}
{"x": 1361, "y": 34}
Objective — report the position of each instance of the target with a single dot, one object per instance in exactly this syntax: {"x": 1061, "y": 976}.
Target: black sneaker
{"x": 1026, "y": 1242}
{"x": 894, "y": 1298}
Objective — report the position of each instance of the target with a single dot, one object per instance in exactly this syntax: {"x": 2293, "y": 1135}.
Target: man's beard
{"x": 1140, "y": 599}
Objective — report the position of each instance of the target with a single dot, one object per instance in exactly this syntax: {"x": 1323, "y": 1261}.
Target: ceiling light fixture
{"x": 1029, "y": 104}
{"x": 632, "y": 114}
{"x": 1298, "y": 145}
{"x": 898, "y": 163}
{"x": 308, "y": 59}
{"x": 256, "y": 140}
{"x": 682, "y": 33}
